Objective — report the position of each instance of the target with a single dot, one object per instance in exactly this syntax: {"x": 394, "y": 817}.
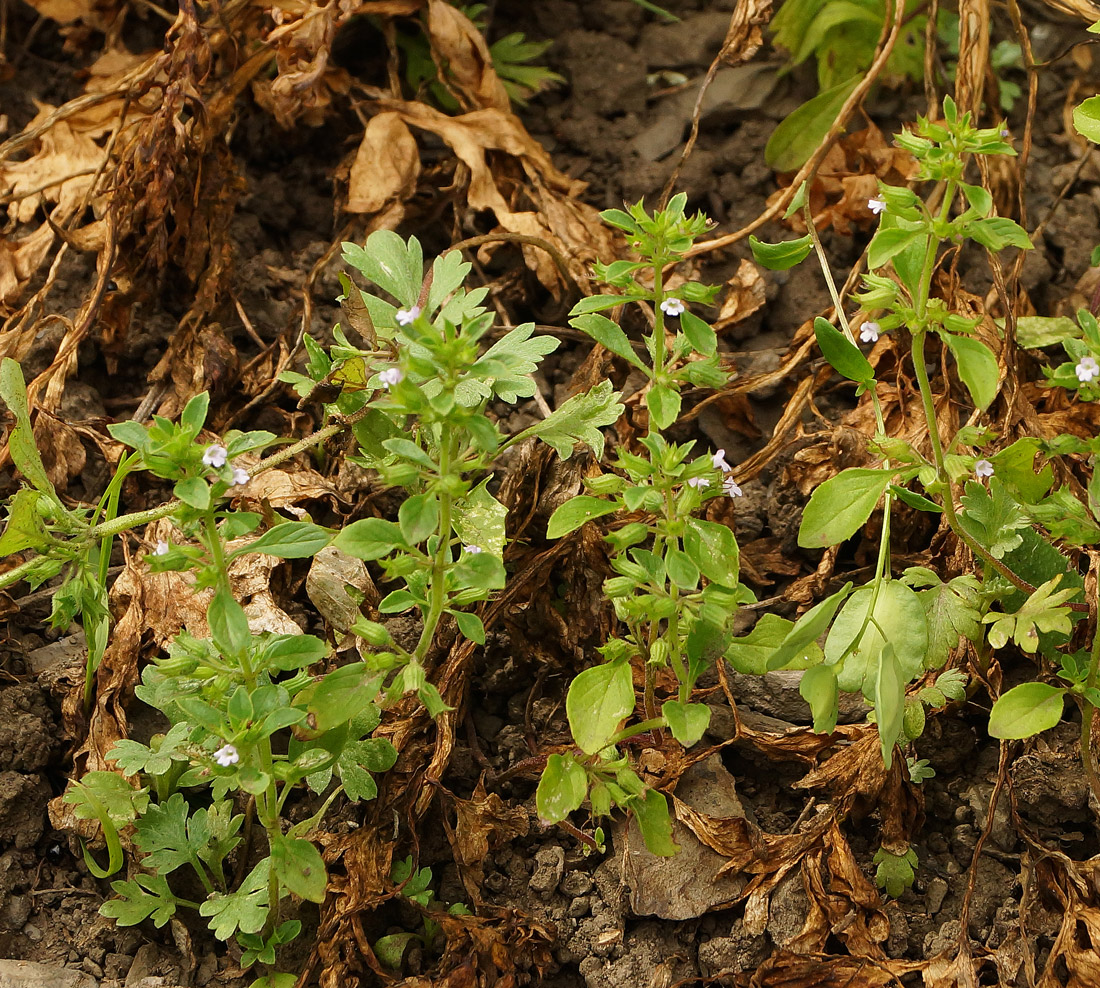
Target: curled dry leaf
{"x": 385, "y": 170}
{"x": 462, "y": 58}
{"x": 743, "y": 295}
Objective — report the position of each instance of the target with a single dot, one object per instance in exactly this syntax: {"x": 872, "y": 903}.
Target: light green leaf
{"x": 578, "y": 420}
{"x": 977, "y": 368}
{"x": 889, "y": 702}
{"x": 750, "y": 653}
{"x": 844, "y": 356}
{"x": 390, "y": 264}
{"x": 290, "y": 540}
{"x": 418, "y": 517}
{"x": 562, "y": 788}
{"x": 780, "y": 257}
{"x": 21, "y": 445}
{"x": 1033, "y": 332}
{"x": 808, "y": 628}
{"x": 663, "y": 403}
{"x": 838, "y": 508}
{"x": 608, "y": 335}
{"x": 889, "y": 242}
{"x": 655, "y": 824}
{"x": 713, "y": 548}
{"x": 23, "y": 528}
{"x": 800, "y": 133}
{"x": 299, "y": 866}
{"x": 575, "y": 512}
{"x": 686, "y": 721}
{"x": 245, "y": 909}
{"x": 597, "y": 702}
{"x": 479, "y": 520}
{"x": 819, "y": 689}
{"x": 1026, "y": 710}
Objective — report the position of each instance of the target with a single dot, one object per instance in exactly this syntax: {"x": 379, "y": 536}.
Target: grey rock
{"x": 688, "y": 884}
{"x": 776, "y": 693}
{"x": 144, "y": 965}
{"x": 27, "y": 974}
{"x": 937, "y": 892}
{"x": 788, "y": 909}
{"x": 549, "y": 867}
{"x": 695, "y": 40}
{"x": 738, "y": 952}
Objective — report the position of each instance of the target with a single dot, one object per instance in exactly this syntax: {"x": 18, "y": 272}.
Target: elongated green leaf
{"x": 808, "y": 628}
{"x": 24, "y": 453}
{"x": 1026, "y": 710}
{"x": 780, "y": 257}
{"x": 889, "y": 702}
{"x": 562, "y": 788}
{"x": 977, "y": 368}
{"x": 819, "y": 689}
{"x": 1086, "y": 118}
{"x": 575, "y": 512}
{"x": 844, "y": 356}
{"x": 888, "y": 242}
{"x": 291, "y": 540}
{"x": 800, "y": 133}
{"x": 609, "y": 335}
{"x": 841, "y": 506}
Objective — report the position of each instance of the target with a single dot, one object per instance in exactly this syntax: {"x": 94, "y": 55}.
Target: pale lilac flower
{"x": 719, "y": 461}
{"x": 699, "y": 483}
{"x": 730, "y": 488}
{"x": 877, "y": 205}
{"x": 983, "y": 468}
{"x": 240, "y": 476}
{"x": 869, "y": 332}
{"x": 390, "y": 376}
{"x": 406, "y": 317}
{"x": 1004, "y": 132}
{"x": 672, "y": 306}
{"x": 473, "y": 550}
{"x": 161, "y": 549}
{"x": 1087, "y": 369}
{"x": 215, "y": 456}
{"x": 227, "y": 755}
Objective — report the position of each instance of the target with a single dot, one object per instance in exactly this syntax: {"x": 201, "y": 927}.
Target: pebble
{"x": 32, "y": 933}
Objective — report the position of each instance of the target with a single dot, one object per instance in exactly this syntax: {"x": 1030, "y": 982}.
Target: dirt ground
{"x": 573, "y": 918}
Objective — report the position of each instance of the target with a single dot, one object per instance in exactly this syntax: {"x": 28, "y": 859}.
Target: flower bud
{"x": 607, "y": 483}
{"x": 618, "y": 586}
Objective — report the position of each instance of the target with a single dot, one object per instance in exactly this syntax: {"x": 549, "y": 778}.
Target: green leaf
{"x": 597, "y": 702}
{"x": 23, "y": 528}
{"x": 808, "y": 628}
{"x": 819, "y": 689}
{"x": 245, "y": 909}
{"x": 291, "y": 652}
{"x": 162, "y": 834}
{"x": 228, "y": 624}
{"x": 391, "y": 264}
{"x": 1043, "y": 612}
{"x": 953, "y": 612}
{"x": 998, "y": 232}
{"x": 992, "y": 517}
{"x": 899, "y": 613}
{"x": 889, "y": 701}
{"x": 469, "y": 625}
{"x": 561, "y": 790}
{"x": 193, "y": 416}
{"x": 699, "y": 334}
{"x": 505, "y": 369}
{"x": 299, "y": 867}
{"x": 800, "y": 133}
{"x": 977, "y": 368}
{"x": 895, "y": 872}
{"x": 780, "y": 257}
{"x": 889, "y": 242}
{"x": 142, "y": 898}
{"x": 193, "y": 491}
{"x": 341, "y": 696}
{"x": 575, "y": 512}
{"x": 578, "y": 420}
{"x": 21, "y": 446}
{"x": 370, "y": 538}
{"x": 750, "y": 654}
{"x": 840, "y": 507}
{"x": 479, "y": 520}
{"x": 655, "y": 824}
{"x": 418, "y": 517}
{"x": 290, "y": 540}
{"x": 1033, "y": 332}
{"x": 844, "y": 356}
{"x": 915, "y": 500}
{"x": 608, "y": 335}
{"x": 1026, "y": 710}
{"x": 687, "y": 721}
{"x": 713, "y": 548}
{"x": 663, "y": 403}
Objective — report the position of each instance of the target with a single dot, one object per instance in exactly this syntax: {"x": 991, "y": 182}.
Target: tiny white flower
{"x": 1087, "y": 369}
{"x": 672, "y": 306}
{"x": 406, "y": 317}
{"x": 390, "y": 376}
{"x": 699, "y": 483}
{"x": 869, "y": 332}
{"x": 227, "y": 755}
{"x": 161, "y": 549}
{"x": 719, "y": 461}
{"x": 240, "y": 476}
{"x": 877, "y": 205}
{"x": 983, "y": 468}
{"x": 215, "y": 456}
{"x": 729, "y": 486}
{"x": 1004, "y": 132}
{"x": 473, "y": 550}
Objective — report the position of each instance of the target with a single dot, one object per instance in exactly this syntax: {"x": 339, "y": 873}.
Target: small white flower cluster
{"x": 406, "y": 317}
{"x": 729, "y": 485}
{"x": 217, "y": 456}
{"x": 1087, "y": 369}
{"x": 983, "y": 468}
{"x": 390, "y": 376}
{"x": 877, "y": 205}
{"x": 672, "y": 306}
{"x": 869, "y": 332}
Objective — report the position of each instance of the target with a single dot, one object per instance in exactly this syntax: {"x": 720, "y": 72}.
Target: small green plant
{"x": 259, "y": 715}
{"x": 676, "y": 586}
{"x": 891, "y": 632}
{"x": 415, "y": 886}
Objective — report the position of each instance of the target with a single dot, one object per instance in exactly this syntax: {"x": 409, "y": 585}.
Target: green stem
{"x": 1088, "y": 714}
{"x": 658, "y": 323}
{"x": 652, "y": 724}
{"x": 437, "y": 598}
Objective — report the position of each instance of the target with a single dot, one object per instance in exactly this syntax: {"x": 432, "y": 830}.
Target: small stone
{"x": 580, "y": 906}
{"x": 937, "y": 892}
{"x": 27, "y": 974}
{"x": 549, "y": 866}
{"x": 577, "y": 883}
{"x": 32, "y": 933}
{"x": 92, "y": 967}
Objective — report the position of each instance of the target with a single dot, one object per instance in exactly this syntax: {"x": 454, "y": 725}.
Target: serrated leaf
{"x": 141, "y": 898}
{"x": 505, "y": 369}
{"x": 953, "y": 612}
{"x": 578, "y": 420}
{"x": 992, "y": 517}
{"x": 245, "y": 909}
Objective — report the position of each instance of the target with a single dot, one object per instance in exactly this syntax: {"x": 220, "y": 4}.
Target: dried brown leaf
{"x": 386, "y": 167}
{"x": 462, "y": 58}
